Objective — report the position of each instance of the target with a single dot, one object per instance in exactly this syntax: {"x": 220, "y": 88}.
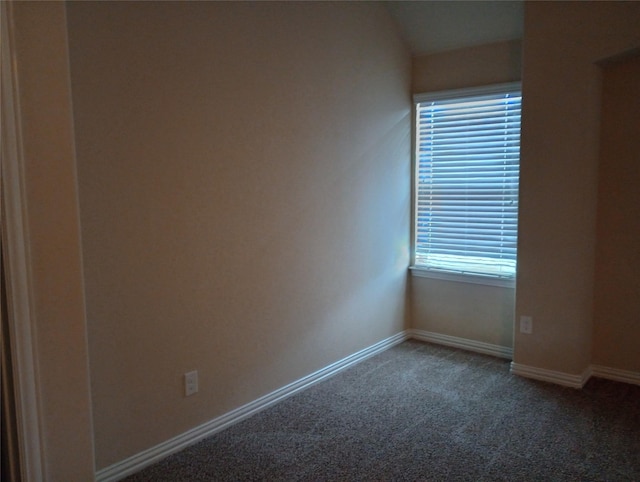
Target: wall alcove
{"x": 617, "y": 271}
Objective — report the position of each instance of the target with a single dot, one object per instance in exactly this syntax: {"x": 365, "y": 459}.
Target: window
{"x": 467, "y": 157}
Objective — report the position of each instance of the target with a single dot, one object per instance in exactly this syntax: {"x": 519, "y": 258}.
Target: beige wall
{"x": 465, "y": 310}
{"x": 472, "y": 311}
{"x": 40, "y": 50}
{"x": 559, "y": 174}
{"x": 218, "y": 215}
{"x": 616, "y": 338}
{"x": 243, "y": 174}
{"x": 469, "y": 67}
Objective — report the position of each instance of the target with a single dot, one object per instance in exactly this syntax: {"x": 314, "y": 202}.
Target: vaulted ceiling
{"x": 434, "y": 26}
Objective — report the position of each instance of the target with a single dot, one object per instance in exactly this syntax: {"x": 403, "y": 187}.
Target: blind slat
{"x": 467, "y": 173}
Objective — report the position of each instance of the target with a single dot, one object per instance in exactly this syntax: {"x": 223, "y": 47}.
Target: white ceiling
{"x": 434, "y": 26}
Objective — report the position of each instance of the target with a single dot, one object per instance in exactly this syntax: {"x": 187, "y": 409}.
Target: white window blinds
{"x": 467, "y": 169}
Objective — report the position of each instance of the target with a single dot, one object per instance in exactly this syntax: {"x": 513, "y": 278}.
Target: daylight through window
{"x": 467, "y": 157}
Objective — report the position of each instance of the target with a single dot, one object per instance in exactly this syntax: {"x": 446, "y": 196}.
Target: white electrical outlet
{"x": 526, "y": 325}
{"x": 190, "y": 383}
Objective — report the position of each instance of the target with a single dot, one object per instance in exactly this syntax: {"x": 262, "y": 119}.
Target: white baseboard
{"x": 552, "y": 376}
{"x": 150, "y": 456}
{"x": 615, "y": 374}
{"x": 462, "y": 343}
{"x": 147, "y": 457}
{"x": 576, "y": 381}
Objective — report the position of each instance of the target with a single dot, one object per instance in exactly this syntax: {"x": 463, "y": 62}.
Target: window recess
{"x": 467, "y": 166}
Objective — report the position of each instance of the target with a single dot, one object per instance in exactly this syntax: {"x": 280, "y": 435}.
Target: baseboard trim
{"x": 615, "y": 374}
{"x": 150, "y": 456}
{"x": 576, "y": 381}
{"x": 147, "y": 457}
{"x": 462, "y": 343}
{"x": 552, "y": 376}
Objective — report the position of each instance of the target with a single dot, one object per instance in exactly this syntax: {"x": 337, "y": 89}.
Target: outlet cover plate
{"x": 190, "y": 383}
{"x": 526, "y": 325}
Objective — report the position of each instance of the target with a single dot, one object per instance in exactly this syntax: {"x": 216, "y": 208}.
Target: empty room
{"x": 320, "y": 240}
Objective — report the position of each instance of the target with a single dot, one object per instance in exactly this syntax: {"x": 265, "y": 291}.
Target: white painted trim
{"x": 615, "y": 374}
{"x": 422, "y": 272}
{"x": 15, "y": 240}
{"x": 552, "y": 376}
{"x": 150, "y": 456}
{"x": 576, "y": 381}
{"x": 462, "y": 343}
{"x": 143, "y": 459}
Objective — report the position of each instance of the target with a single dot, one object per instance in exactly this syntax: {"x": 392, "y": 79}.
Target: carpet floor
{"x": 420, "y": 411}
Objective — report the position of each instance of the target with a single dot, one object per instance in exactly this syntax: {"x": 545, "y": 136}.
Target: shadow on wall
{"x": 617, "y": 275}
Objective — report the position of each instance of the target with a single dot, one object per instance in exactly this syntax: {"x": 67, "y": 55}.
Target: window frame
{"x": 423, "y": 271}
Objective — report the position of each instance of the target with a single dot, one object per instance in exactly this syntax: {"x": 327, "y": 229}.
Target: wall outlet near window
{"x": 526, "y": 325}
{"x": 190, "y": 383}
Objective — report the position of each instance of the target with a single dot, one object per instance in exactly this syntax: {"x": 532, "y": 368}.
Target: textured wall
{"x": 487, "y": 64}
{"x": 465, "y": 310}
{"x": 472, "y": 311}
{"x": 617, "y": 305}
{"x": 243, "y": 173}
{"x": 51, "y": 211}
{"x": 559, "y": 173}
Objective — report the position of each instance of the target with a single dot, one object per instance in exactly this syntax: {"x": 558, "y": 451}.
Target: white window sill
{"x": 462, "y": 278}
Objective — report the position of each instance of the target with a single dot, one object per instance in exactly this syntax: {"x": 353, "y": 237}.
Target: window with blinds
{"x": 467, "y": 156}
